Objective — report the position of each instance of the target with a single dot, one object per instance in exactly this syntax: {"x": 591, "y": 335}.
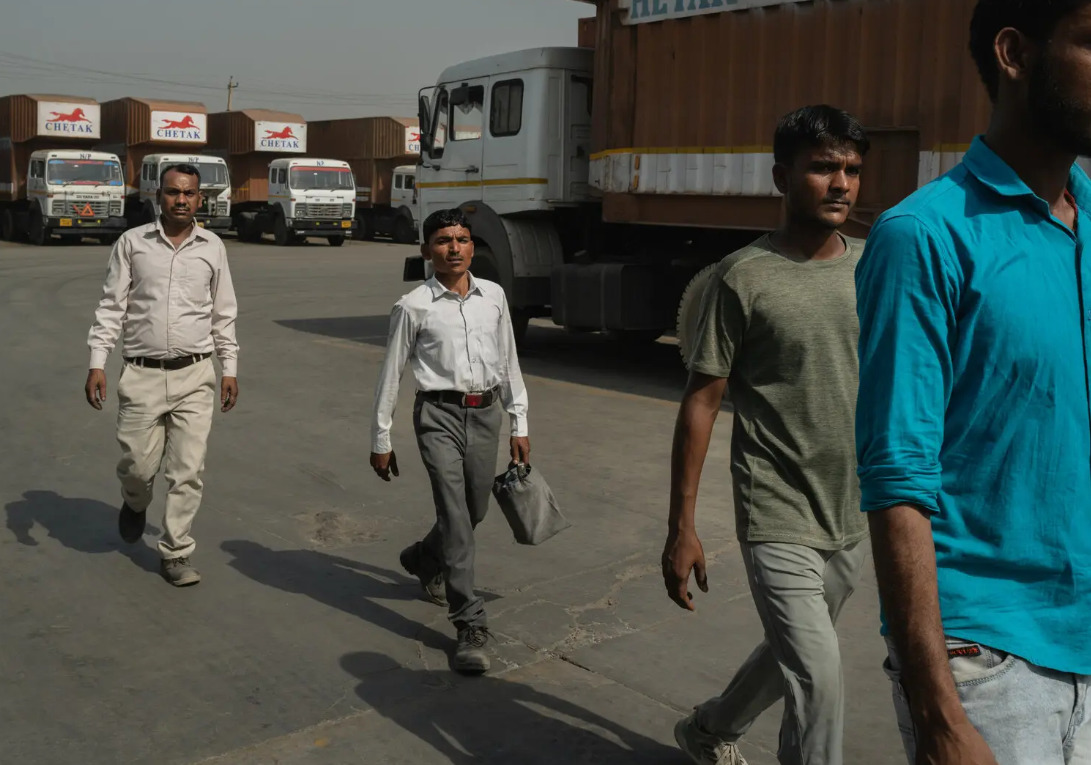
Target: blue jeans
{"x": 1027, "y": 715}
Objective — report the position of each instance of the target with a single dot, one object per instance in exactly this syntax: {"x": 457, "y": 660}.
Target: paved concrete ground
{"x": 305, "y": 643}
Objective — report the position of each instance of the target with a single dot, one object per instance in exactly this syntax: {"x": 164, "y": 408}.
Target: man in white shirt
{"x": 168, "y": 296}
{"x": 455, "y": 331}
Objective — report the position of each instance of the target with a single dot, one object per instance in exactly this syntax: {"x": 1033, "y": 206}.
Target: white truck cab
{"x": 507, "y": 138}
{"x": 74, "y": 193}
{"x": 403, "y": 191}
{"x": 215, "y": 210}
{"x": 311, "y": 197}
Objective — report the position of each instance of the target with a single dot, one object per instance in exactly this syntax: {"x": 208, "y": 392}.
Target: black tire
{"x": 109, "y": 239}
{"x": 281, "y": 235}
{"x": 336, "y": 240}
{"x": 403, "y": 231}
{"x": 365, "y": 231}
{"x": 40, "y": 234}
{"x": 7, "y": 226}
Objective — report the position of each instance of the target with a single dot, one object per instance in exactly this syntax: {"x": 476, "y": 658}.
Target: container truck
{"x": 52, "y": 183}
{"x": 602, "y": 181}
{"x": 149, "y": 136}
{"x": 275, "y": 188}
{"x": 383, "y": 152}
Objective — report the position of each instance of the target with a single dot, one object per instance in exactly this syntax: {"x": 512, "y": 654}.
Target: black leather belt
{"x": 478, "y": 400}
{"x": 168, "y": 364}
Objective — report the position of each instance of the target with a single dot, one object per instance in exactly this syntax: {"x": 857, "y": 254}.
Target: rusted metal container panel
{"x": 365, "y": 138}
{"x": 688, "y": 106}
{"x": 132, "y": 128}
{"x": 249, "y": 140}
{"x": 374, "y": 178}
{"x": 587, "y": 32}
{"x": 249, "y": 177}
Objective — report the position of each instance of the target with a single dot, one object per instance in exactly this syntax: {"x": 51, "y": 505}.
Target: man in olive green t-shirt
{"x": 778, "y": 320}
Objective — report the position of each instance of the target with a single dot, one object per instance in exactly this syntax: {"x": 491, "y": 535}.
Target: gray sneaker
{"x": 470, "y": 657}
{"x": 179, "y": 572}
{"x": 704, "y": 748}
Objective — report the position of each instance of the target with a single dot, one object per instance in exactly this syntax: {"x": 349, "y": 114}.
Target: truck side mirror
{"x": 413, "y": 270}
{"x": 424, "y": 116}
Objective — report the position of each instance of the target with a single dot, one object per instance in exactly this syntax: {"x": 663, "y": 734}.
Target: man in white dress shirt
{"x": 455, "y": 331}
{"x": 168, "y": 296}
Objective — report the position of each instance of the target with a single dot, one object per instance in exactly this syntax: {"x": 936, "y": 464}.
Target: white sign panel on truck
{"x": 288, "y": 137}
{"x": 412, "y": 140}
{"x": 645, "y": 11}
{"x": 56, "y": 118}
{"x": 179, "y": 127}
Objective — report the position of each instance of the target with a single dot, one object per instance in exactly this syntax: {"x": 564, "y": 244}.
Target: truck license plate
{"x": 89, "y": 223}
{"x": 66, "y": 222}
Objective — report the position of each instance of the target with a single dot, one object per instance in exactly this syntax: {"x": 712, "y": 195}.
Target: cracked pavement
{"x": 305, "y": 643}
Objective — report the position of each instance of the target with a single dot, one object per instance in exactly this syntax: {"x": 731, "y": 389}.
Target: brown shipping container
{"x": 129, "y": 131}
{"x": 373, "y": 147}
{"x": 587, "y": 32}
{"x": 231, "y": 136}
{"x": 717, "y": 84}
{"x": 19, "y": 136}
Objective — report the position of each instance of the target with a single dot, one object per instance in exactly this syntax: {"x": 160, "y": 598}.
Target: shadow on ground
{"x": 80, "y": 524}
{"x": 587, "y": 358}
{"x": 496, "y": 721}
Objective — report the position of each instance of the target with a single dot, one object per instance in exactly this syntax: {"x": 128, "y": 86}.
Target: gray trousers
{"x": 459, "y": 449}
{"x": 799, "y": 593}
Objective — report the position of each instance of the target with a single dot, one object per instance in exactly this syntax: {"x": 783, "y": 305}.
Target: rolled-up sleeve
{"x": 907, "y": 293}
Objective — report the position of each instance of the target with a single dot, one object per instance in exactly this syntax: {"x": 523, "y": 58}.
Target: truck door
{"x": 577, "y": 138}
{"x": 455, "y": 158}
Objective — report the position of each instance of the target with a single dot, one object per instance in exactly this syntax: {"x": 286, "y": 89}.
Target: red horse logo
{"x": 76, "y": 116}
{"x": 182, "y": 124}
{"x": 285, "y": 133}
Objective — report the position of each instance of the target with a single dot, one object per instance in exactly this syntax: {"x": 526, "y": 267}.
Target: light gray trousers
{"x": 799, "y": 593}
{"x": 459, "y": 448}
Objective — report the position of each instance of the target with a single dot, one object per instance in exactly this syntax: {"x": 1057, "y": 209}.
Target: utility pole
{"x": 231, "y": 85}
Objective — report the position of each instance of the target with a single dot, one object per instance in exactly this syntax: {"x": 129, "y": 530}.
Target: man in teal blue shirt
{"x": 974, "y": 418}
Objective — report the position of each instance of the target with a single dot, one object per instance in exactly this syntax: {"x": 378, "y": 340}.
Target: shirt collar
{"x": 991, "y": 170}
{"x": 197, "y": 232}
{"x": 438, "y": 290}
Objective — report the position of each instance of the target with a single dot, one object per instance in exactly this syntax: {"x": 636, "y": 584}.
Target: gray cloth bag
{"x": 529, "y": 505}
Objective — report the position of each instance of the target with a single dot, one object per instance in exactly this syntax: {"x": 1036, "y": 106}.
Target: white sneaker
{"x": 704, "y": 748}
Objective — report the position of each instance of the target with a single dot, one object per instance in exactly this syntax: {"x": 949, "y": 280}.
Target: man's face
{"x": 179, "y": 197}
{"x": 821, "y": 185}
{"x": 1059, "y": 85}
{"x": 450, "y": 249}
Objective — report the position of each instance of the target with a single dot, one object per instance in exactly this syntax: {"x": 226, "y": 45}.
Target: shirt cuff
{"x": 98, "y": 359}
{"x": 519, "y": 426}
{"x": 380, "y": 443}
{"x": 230, "y": 367}
{"x": 882, "y": 488}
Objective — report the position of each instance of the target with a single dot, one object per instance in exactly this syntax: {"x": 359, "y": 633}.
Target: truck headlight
{"x": 346, "y": 210}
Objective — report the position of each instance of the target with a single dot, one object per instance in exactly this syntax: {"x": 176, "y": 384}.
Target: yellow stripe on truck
{"x": 489, "y": 182}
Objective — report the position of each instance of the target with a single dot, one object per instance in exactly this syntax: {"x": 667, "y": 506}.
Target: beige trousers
{"x": 163, "y": 422}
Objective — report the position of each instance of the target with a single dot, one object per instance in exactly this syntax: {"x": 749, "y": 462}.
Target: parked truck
{"x": 603, "y": 180}
{"x": 51, "y": 181}
{"x": 275, "y": 188}
{"x": 383, "y": 152}
{"x": 149, "y": 136}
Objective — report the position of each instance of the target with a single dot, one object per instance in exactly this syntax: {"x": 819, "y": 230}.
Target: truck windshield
{"x": 212, "y": 173}
{"x": 325, "y": 178}
{"x": 84, "y": 172}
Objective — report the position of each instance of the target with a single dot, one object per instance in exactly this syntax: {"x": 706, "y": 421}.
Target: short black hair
{"x": 817, "y": 126}
{"x": 182, "y": 168}
{"x": 1034, "y": 18}
{"x": 442, "y": 219}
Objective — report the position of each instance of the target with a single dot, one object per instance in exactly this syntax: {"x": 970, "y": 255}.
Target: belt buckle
{"x": 473, "y": 400}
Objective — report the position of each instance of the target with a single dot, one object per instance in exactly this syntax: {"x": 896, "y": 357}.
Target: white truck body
{"x": 215, "y": 210}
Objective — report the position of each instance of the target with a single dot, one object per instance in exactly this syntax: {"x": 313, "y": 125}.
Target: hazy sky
{"x": 321, "y": 58}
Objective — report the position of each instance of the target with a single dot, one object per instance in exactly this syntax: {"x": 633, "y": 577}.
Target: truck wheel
{"x": 689, "y": 309}
{"x": 281, "y": 235}
{"x": 109, "y": 240}
{"x": 365, "y": 231}
{"x": 336, "y": 241}
{"x": 40, "y": 234}
{"x": 403, "y": 231}
{"x": 7, "y": 226}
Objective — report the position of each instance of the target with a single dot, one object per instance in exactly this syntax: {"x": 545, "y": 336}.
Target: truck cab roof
{"x": 308, "y": 161}
{"x": 73, "y": 154}
{"x": 581, "y": 59}
{"x": 407, "y": 169}
{"x": 177, "y": 157}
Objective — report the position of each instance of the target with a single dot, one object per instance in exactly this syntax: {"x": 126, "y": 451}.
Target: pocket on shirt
{"x": 973, "y": 663}
{"x": 196, "y": 280}
{"x": 485, "y": 341}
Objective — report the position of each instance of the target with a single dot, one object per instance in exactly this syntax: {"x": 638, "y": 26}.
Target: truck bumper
{"x": 322, "y": 227}
{"x": 214, "y": 224}
{"x": 111, "y": 224}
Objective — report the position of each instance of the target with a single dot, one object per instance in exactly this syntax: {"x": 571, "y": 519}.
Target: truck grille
{"x": 319, "y": 211}
{"x": 81, "y": 209}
